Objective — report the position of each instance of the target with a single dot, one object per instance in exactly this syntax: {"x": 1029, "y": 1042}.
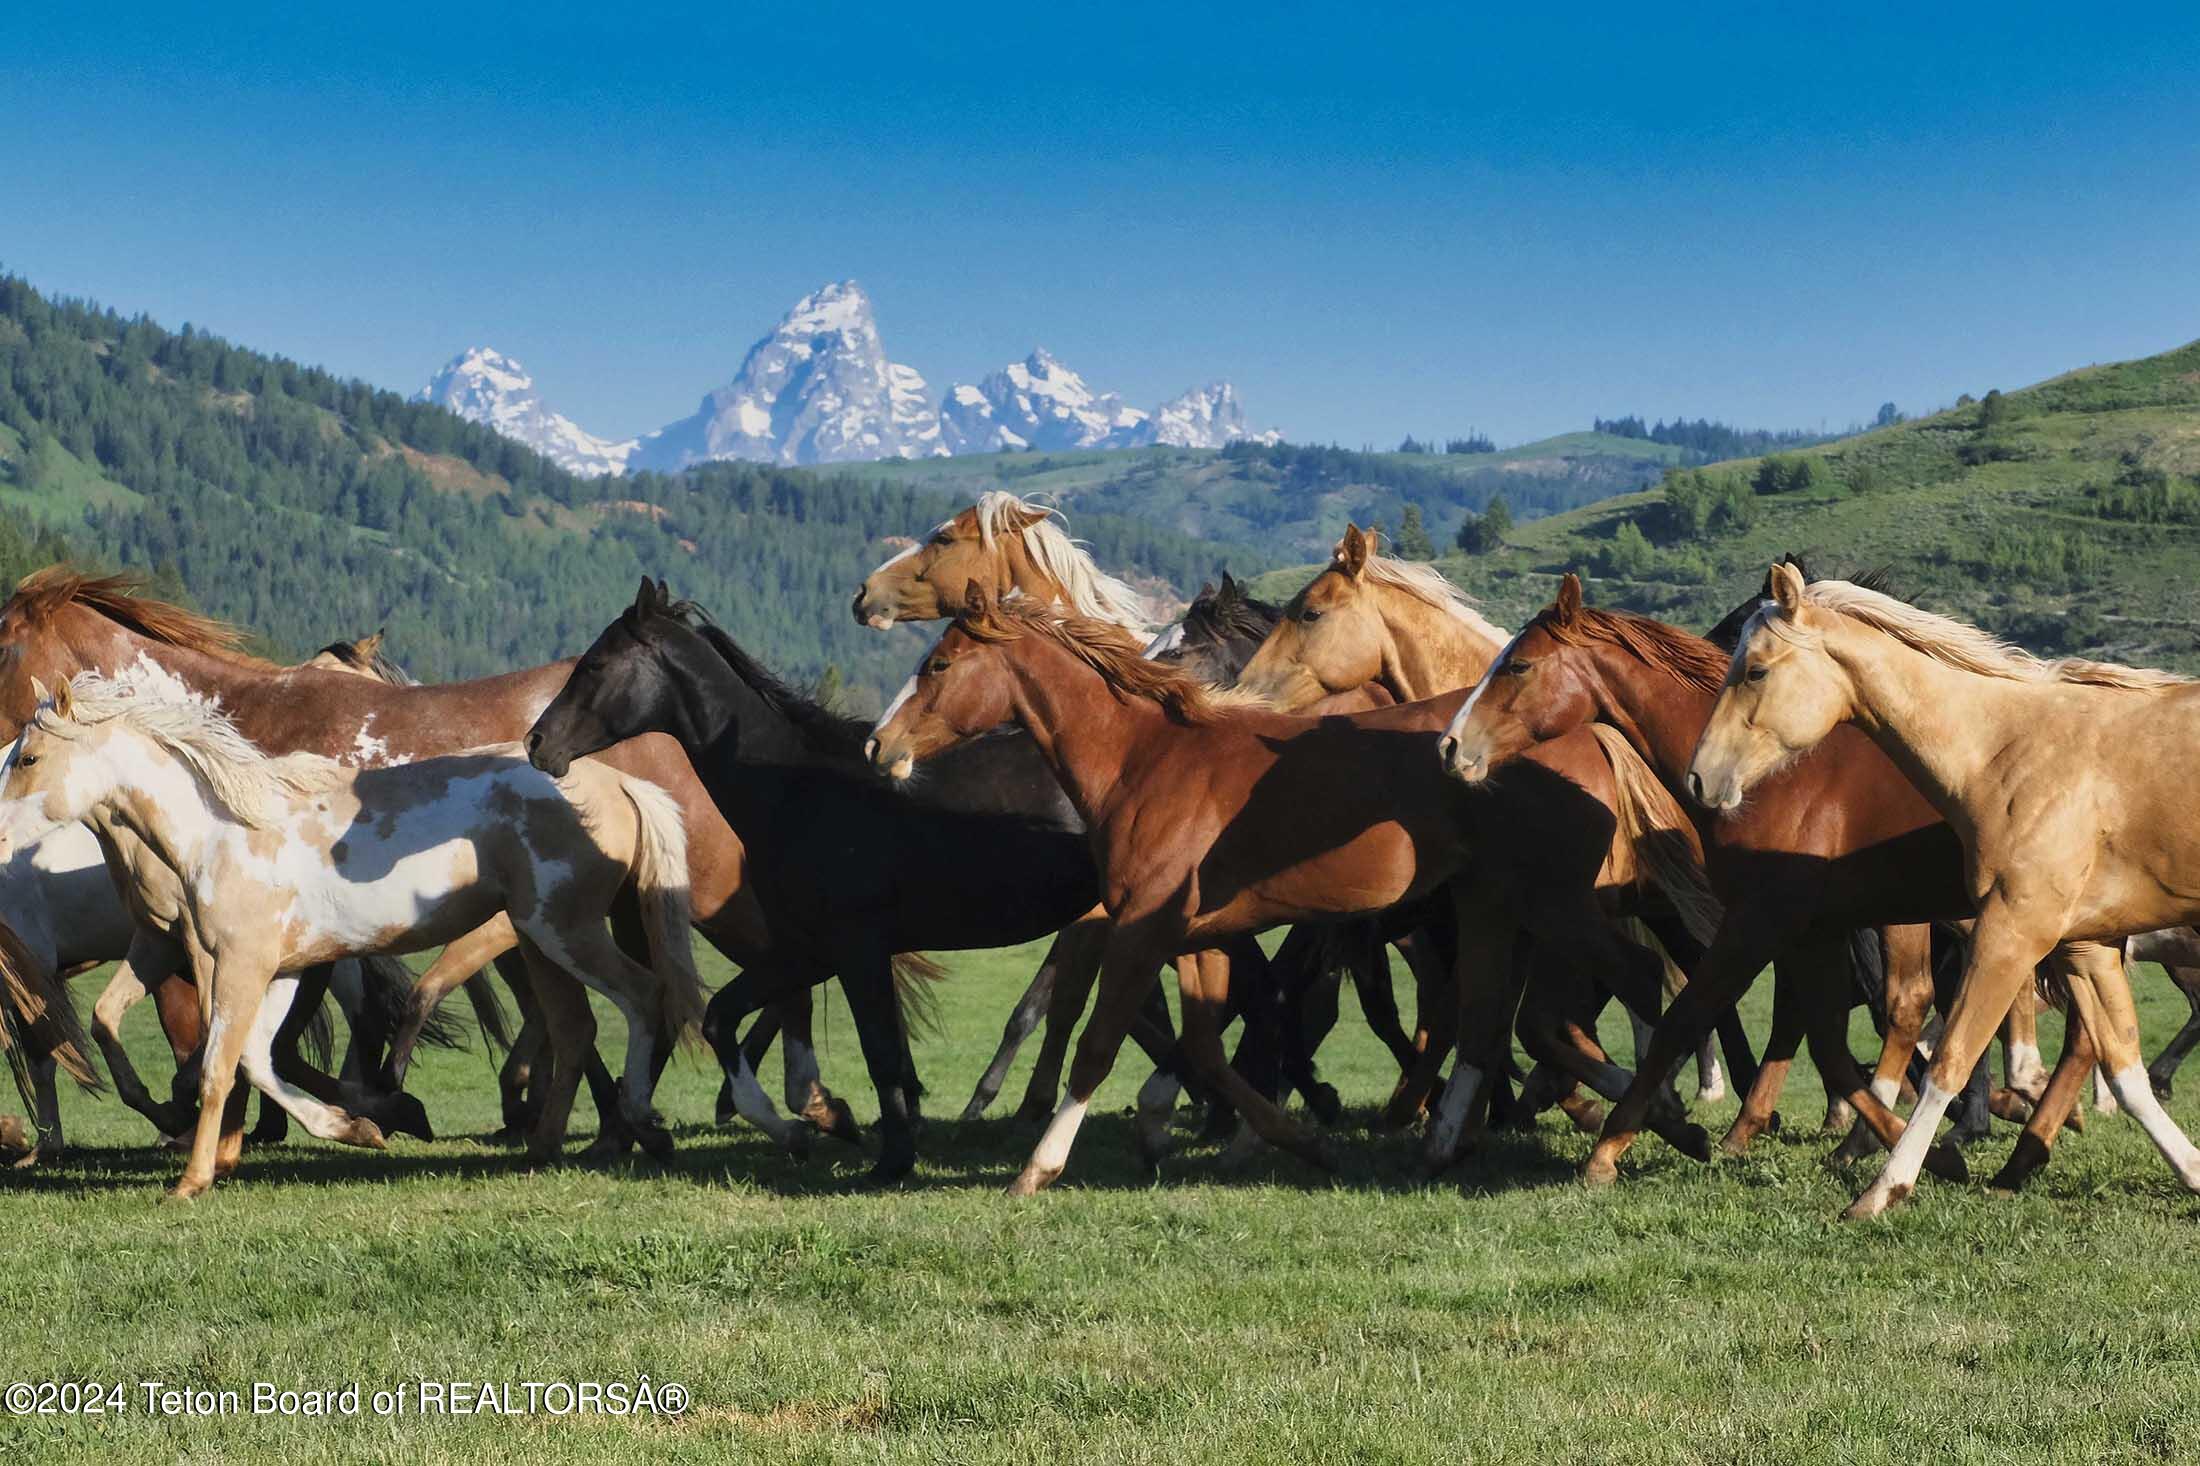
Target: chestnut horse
{"x": 2063, "y": 780}
{"x": 61, "y": 621}
{"x": 1210, "y": 818}
{"x": 1836, "y": 841}
{"x": 1004, "y": 544}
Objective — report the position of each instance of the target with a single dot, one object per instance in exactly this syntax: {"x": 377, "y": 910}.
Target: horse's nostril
{"x": 534, "y": 741}
{"x": 870, "y": 749}
{"x": 1447, "y": 749}
{"x": 1695, "y": 786}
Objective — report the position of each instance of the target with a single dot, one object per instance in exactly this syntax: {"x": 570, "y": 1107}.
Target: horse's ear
{"x": 39, "y": 695}
{"x": 1230, "y": 586}
{"x": 1353, "y": 550}
{"x": 645, "y": 599}
{"x": 1568, "y": 604}
{"x": 368, "y": 646}
{"x": 1787, "y": 588}
{"x": 977, "y": 601}
{"x": 64, "y": 699}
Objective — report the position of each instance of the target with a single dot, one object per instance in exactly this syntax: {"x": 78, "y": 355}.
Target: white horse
{"x": 259, "y": 865}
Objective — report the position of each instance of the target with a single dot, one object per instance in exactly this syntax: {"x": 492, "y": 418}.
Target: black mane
{"x": 821, "y": 728}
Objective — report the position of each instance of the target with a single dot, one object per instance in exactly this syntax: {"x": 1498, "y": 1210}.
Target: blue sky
{"x": 1374, "y": 219}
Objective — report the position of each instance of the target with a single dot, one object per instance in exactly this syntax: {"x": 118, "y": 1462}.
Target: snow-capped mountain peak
{"x": 1206, "y": 417}
{"x": 817, "y": 389}
{"x": 484, "y": 385}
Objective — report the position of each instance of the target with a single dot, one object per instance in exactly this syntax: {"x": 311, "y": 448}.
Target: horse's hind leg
{"x": 1022, "y": 1020}
{"x": 2162, "y": 1073}
{"x": 152, "y": 962}
{"x": 2101, "y": 997}
{"x": 1204, "y": 1004}
{"x": 1908, "y": 1000}
{"x": 571, "y": 1028}
{"x": 868, "y": 981}
{"x": 230, "y": 1001}
{"x": 278, "y": 1011}
{"x": 458, "y": 963}
{"x": 1079, "y": 953}
{"x": 2056, "y": 1106}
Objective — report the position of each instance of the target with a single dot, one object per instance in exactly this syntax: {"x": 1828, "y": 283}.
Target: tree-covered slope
{"x": 2065, "y": 515}
{"x": 307, "y": 507}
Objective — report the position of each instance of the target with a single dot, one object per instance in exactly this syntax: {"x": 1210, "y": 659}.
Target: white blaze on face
{"x": 905, "y": 765}
{"x": 1466, "y": 709}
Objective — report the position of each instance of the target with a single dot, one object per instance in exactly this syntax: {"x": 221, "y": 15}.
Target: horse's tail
{"x": 387, "y": 986}
{"x": 496, "y": 1024}
{"x": 1658, "y": 833}
{"x": 661, "y": 879}
{"x": 318, "y": 1043}
{"x": 914, "y": 975}
{"x": 29, "y": 991}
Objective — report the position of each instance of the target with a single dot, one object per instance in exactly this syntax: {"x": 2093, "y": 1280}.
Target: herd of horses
{"x": 1883, "y": 806}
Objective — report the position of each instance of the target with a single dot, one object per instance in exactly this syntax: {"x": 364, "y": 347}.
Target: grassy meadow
{"x": 1263, "y": 1313}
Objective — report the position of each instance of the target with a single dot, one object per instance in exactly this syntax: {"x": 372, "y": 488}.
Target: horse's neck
{"x": 1662, "y": 716}
{"x": 1020, "y": 572}
{"x": 1943, "y": 727}
{"x": 162, "y": 814}
{"x": 1085, "y": 733}
{"x": 1427, "y": 650}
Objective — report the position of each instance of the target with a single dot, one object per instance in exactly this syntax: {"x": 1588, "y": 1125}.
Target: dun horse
{"x": 260, "y": 865}
{"x": 2064, "y": 781}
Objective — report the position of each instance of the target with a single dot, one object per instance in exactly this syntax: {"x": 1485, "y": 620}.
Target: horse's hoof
{"x": 1692, "y": 1141}
{"x": 1032, "y": 1112}
{"x": 1946, "y": 1162}
{"x": 367, "y": 1136}
{"x": 831, "y": 1116}
{"x": 1598, "y": 1171}
{"x": 604, "y": 1149}
{"x": 1031, "y": 1181}
{"x": 889, "y": 1171}
{"x": 975, "y": 1110}
{"x": 797, "y": 1143}
{"x": 656, "y": 1141}
{"x": 404, "y": 1114}
{"x": 1324, "y": 1103}
{"x": 1772, "y": 1123}
{"x": 1875, "y": 1202}
{"x": 2161, "y": 1086}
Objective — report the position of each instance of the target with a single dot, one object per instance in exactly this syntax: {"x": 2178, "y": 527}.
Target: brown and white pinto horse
{"x": 61, "y": 621}
{"x": 1210, "y": 818}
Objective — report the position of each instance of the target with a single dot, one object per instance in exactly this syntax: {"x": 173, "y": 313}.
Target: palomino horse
{"x": 1004, "y": 544}
{"x": 60, "y": 622}
{"x": 1837, "y": 842}
{"x": 1210, "y": 817}
{"x": 849, "y": 869}
{"x": 1369, "y": 620}
{"x": 2063, "y": 780}
{"x": 261, "y": 865}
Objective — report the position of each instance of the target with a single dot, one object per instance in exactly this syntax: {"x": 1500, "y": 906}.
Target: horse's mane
{"x": 250, "y": 785}
{"x": 1090, "y": 591}
{"x": 1110, "y": 651}
{"x": 819, "y": 726}
{"x": 1426, "y": 583}
{"x": 121, "y": 599}
{"x": 1965, "y": 647}
{"x": 1690, "y": 659}
{"x": 365, "y": 658}
{"x": 1234, "y": 613}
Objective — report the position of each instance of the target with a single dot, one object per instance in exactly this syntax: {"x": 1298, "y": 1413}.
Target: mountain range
{"x": 819, "y": 388}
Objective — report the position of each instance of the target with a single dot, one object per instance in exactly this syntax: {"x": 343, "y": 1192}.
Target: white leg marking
{"x": 1909, "y": 1152}
{"x": 2138, "y": 1096}
{"x": 2026, "y": 1072}
{"x": 1156, "y": 1103}
{"x": 1451, "y": 1113}
{"x": 2104, "y": 1095}
{"x": 750, "y": 1101}
{"x": 1886, "y": 1091}
{"x": 1052, "y": 1152}
{"x": 1710, "y": 1078}
{"x": 802, "y": 1072}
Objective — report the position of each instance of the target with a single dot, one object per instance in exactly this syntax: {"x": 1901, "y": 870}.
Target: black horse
{"x": 982, "y": 851}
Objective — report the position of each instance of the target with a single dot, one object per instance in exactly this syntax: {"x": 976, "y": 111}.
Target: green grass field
{"x": 1272, "y": 1313}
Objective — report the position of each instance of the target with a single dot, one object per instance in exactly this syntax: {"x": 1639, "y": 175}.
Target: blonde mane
{"x": 1113, "y": 653}
{"x": 251, "y": 785}
{"x": 1426, "y": 584}
{"x": 1967, "y": 648}
{"x": 1089, "y": 591}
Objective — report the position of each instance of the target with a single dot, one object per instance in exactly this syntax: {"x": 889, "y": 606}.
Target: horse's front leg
{"x": 153, "y": 962}
{"x": 722, "y": 1017}
{"x": 231, "y": 986}
{"x": 868, "y": 980}
{"x": 1127, "y": 966}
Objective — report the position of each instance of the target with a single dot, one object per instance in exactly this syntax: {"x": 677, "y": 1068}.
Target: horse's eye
{"x": 1516, "y": 667}
{"x": 936, "y": 666}
{"x": 943, "y": 538}
{"x": 1755, "y": 674}
{"x": 26, "y": 760}
{"x": 1310, "y": 614}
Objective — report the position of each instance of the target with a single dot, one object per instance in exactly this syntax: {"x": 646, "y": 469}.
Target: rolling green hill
{"x": 2065, "y": 515}
{"x": 1256, "y": 505}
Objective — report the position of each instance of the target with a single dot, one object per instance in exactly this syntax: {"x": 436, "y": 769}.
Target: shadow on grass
{"x": 954, "y": 1155}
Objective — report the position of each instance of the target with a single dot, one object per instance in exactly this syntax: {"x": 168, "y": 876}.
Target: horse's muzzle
{"x": 550, "y": 761}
